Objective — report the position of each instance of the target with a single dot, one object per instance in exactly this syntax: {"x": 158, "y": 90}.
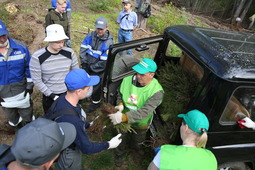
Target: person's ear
{"x": 152, "y": 74}
{"x": 186, "y": 128}
{"x": 48, "y": 164}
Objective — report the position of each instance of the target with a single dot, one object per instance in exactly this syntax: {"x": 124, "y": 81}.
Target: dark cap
{"x": 41, "y": 140}
{"x": 126, "y": 1}
{"x": 101, "y": 23}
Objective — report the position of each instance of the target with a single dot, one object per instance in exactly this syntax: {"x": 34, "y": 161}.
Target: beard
{"x": 4, "y": 44}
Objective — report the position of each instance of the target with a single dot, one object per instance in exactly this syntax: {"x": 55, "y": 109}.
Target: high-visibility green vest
{"x": 173, "y": 157}
{"x": 135, "y": 97}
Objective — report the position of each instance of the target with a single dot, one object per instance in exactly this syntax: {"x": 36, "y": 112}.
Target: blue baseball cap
{"x": 3, "y": 30}
{"x": 79, "y": 78}
{"x": 145, "y": 66}
{"x": 196, "y": 120}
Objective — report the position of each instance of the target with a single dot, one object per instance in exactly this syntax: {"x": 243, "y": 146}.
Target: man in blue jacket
{"x": 93, "y": 56}
{"x": 15, "y": 81}
{"x": 78, "y": 84}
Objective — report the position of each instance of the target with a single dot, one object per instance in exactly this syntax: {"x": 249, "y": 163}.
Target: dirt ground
{"x": 32, "y": 30}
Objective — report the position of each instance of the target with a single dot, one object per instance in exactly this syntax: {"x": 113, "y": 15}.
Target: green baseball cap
{"x": 145, "y": 66}
{"x": 196, "y": 120}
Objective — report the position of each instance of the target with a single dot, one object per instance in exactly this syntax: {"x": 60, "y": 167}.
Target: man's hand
{"x": 247, "y": 122}
{"x": 30, "y": 91}
{"x": 116, "y": 118}
{"x": 120, "y": 107}
{"x": 115, "y": 141}
{"x": 53, "y": 96}
{"x": 1, "y": 100}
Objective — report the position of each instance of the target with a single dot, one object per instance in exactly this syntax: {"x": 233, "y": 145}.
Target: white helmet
{"x": 55, "y": 32}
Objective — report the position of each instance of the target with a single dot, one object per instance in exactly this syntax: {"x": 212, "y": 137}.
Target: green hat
{"x": 196, "y": 120}
{"x": 145, "y": 66}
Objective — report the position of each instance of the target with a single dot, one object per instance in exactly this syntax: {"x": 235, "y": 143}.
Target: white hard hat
{"x": 55, "y": 32}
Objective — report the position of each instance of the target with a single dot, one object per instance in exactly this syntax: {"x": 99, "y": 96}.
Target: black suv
{"x": 224, "y": 64}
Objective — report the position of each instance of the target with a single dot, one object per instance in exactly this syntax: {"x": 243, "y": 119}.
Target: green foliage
{"x": 99, "y": 6}
{"x": 169, "y": 16}
{"x": 179, "y": 85}
{"x": 114, "y": 3}
{"x": 103, "y": 5}
{"x": 102, "y": 160}
{"x": 173, "y": 50}
{"x": 3, "y": 14}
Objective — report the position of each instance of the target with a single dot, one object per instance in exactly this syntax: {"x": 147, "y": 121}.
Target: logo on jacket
{"x": 133, "y": 99}
{"x": 17, "y": 52}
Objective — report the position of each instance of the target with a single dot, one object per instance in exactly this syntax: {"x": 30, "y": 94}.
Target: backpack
{"x": 6, "y": 156}
{"x": 145, "y": 10}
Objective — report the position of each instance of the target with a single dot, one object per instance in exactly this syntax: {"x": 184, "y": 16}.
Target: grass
{"x": 3, "y": 14}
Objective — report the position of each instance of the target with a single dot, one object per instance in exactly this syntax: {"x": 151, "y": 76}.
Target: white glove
{"x": 120, "y": 107}
{"x": 56, "y": 97}
{"x": 115, "y": 141}
{"x": 248, "y": 123}
{"x": 116, "y": 118}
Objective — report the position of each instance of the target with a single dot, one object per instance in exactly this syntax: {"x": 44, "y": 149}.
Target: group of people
{"x": 60, "y": 135}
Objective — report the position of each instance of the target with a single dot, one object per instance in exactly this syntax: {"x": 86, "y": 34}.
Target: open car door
{"x": 120, "y": 66}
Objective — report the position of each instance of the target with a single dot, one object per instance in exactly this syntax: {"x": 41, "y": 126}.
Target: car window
{"x": 173, "y": 50}
{"x": 123, "y": 64}
{"x": 240, "y": 105}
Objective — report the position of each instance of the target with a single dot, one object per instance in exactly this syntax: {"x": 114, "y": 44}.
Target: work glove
{"x": 30, "y": 91}
{"x": 114, "y": 142}
{"x": 120, "y": 107}
{"x": 1, "y": 100}
{"x": 54, "y": 97}
{"x": 247, "y": 122}
{"x": 116, "y": 118}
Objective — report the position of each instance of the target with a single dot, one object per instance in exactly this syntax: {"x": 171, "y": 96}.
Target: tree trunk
{"x": 246, "y": 8}
{"x": 195, "y": 6}
{"x": 238, "y": 11}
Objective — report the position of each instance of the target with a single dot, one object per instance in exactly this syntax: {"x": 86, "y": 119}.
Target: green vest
{"x": 173, "y": 157}
{"x": 135, "y": 97}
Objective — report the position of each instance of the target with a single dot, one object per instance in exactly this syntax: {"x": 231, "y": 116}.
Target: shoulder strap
{"x": 66, "y": 111}
{"x": 52, "y": 114}
{"x": 123, "y": 17}
{"x": 6, "y": 155}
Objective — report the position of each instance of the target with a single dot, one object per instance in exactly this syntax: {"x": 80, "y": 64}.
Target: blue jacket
{"x": 94, "y": 52}
{"x": 82, "y": 140}
{"x": 15, "y": 71}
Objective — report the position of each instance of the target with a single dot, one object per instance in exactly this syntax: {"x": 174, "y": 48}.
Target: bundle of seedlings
{"x": 160, "y": 139}
{"x": 103, "y": 120}
{"x": 179, "y": 85}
